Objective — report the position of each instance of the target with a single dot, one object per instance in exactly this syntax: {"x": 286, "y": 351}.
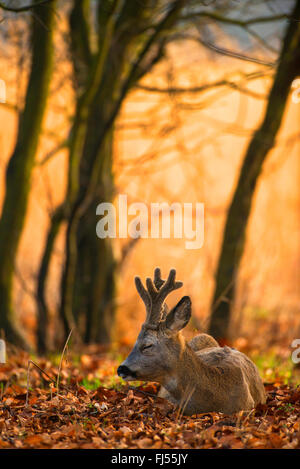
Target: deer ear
{"x": 180, "y": 315}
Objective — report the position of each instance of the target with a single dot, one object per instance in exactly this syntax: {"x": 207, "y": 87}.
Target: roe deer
{"x": 198, "y": 376}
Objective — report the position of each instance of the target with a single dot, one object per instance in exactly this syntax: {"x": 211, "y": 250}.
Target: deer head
{"x": 158, "y": 345}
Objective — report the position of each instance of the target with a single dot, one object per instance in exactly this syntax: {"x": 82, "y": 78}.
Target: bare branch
{"x": 53, "y": 152}
{"x": 261, "y": 41}
{"x": 223, "y": 51}
{"x": 11, "y": 107}
{"x": 25, "y": 7}
{"x": 234, "y": 21}
{"x": 208, "y": 86}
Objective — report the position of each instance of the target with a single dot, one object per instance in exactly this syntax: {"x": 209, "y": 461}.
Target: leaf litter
{"x": 35, "y": 414}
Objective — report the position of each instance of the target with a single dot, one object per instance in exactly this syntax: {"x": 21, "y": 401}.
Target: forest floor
{"x": 90, "y": 407}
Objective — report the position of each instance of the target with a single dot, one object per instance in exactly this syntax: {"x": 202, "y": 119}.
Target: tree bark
{"x": 94, "y": 290}
{"x": 42, "y": 325}
{"x": 257, "y": 152}
{"x": 18, "y": 174}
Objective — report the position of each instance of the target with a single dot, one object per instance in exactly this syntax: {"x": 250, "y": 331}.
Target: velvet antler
{"x": 156, "y": 293}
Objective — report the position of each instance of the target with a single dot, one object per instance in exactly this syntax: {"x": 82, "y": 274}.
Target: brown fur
{"x": 219, "y": 379}
{"x": 202, "y": 341}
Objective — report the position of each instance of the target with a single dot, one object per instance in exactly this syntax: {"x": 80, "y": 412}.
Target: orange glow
{"x": 179, "y": 148}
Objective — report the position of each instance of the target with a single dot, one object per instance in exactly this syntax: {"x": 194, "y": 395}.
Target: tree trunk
{"x": 95, "y": 284}
{"x": 239, "y": 210}
{"x": 102, "y": 81}
{"x": 79, "y": 132}
{"x": 56, "y": 220}
{"x": 18, "y": 175}
{"x": 82, "y": 63}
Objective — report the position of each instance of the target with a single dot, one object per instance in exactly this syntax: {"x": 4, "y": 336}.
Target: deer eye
{"x": 147, "y": 347}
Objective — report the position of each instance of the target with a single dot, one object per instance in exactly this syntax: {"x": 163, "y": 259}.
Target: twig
{"x": 46, "y": 374}
{"x": 234, "y": 21}
{"x": 61, "y": 359}
{"x": 62, "y": 145}
{"x": 184, "y": 402}
{"x": 41, "y": 370}
{"x": 27, "y": 390}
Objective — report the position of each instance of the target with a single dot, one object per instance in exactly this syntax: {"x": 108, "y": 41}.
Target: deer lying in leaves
{"x": 198, "y": 376}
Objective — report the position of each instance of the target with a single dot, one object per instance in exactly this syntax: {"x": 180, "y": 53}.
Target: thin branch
{"x": 234, "y": 21}
{"x": 53, "y": 152}
{"x": 23, "y": 283}
{"x": 261, "y": 41}
{"x": 44, "y": 373}
{"x": 208, "y": 86}
{"x": 131, "y": 78}
{"x": 61, "y": 359}
{"x": 223, "y": 51}
{"x": 23, "y": 8}
{"x": 233, "y": 54}
{"x": 28, "y": 378}
{"x": 126, "y": 250}
{"x": 11, "y": 106}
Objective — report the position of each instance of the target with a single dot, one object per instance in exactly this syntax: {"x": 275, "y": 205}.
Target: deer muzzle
{"x": 125, "y": 373}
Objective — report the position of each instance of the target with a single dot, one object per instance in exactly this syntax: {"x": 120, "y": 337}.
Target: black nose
{"x": 123, "y": 371}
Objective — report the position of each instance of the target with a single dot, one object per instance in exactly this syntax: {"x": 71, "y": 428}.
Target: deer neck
{"x": 190, "y": 374}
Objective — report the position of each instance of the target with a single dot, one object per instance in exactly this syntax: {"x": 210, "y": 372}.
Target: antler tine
{"x": 169, "y": 285}
{"x": 158, "y": 291}
{"x": 152, "y": 290}
{"x": 143, "y": 294}
{"x": 158, "y": 281}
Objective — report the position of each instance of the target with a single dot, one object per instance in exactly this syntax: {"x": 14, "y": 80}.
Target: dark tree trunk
{"x": 96, "y": 284}
{"x": 56, "y": 220}
{"x": 140, "y": 66}
{"x": 239, "y": 210}
{"x": 82, "y": 63}
{"x": 18, "y": 175}
{"x": 95, "y": 280}
{"x": 127, "y": 49}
